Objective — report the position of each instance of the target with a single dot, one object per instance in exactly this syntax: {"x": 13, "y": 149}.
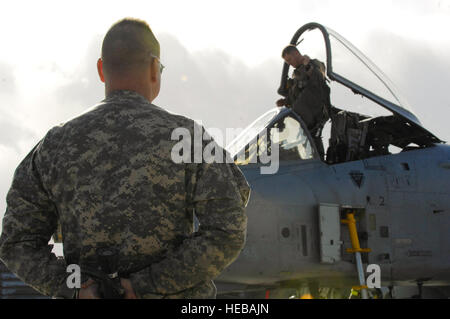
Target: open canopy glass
{"x": 350, "y": 67}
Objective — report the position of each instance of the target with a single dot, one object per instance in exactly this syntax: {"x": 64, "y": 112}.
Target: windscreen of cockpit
{"x": 251, "y": 132}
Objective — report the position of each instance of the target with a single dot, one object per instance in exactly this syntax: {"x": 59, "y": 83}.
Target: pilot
{"x": 307, "y": 92}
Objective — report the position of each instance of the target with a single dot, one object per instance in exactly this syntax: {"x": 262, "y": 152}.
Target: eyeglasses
{"x": 161, "y": 66}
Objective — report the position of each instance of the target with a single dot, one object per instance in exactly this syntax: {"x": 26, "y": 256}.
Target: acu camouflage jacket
{"x": 107, "y": 178}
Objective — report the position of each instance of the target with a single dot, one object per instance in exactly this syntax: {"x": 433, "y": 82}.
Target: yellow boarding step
{"x": 357, "y": 250}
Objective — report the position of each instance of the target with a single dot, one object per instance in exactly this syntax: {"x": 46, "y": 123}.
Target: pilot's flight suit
{"x": 108, "y": 179}
{"x": 309, "y": 96}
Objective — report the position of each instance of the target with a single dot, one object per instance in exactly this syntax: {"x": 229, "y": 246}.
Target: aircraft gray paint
{"x": 402, "y": 200}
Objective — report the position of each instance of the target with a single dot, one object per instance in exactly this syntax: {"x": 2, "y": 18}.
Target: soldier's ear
{"x": 100, "y": 70}
{"x": 154, "y": 71}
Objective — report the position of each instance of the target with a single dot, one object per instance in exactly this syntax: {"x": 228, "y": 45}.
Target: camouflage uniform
{"x": 108, "y": 179}
{"x": 309, "y": 96}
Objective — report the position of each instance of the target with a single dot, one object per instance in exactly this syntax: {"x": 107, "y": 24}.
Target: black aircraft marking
{"x": 357, "y": 178}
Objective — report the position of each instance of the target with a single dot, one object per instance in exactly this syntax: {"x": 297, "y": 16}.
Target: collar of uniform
{"x": 125, "y": 95}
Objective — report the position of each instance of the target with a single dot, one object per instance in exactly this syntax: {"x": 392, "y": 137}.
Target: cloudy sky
{"x": 222, "y": 58}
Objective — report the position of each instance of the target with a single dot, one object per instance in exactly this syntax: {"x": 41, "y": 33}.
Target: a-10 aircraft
{"x": 386, "y": 172}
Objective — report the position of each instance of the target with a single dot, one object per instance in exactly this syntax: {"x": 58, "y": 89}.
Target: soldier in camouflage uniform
{"x": 108, "y": 179}
{"x": 308, "y": 94}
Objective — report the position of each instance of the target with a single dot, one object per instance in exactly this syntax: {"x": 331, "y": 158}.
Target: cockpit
{"x": 368, "y": 116}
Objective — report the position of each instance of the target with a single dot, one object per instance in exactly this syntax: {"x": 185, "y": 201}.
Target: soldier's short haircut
{"x": 288, "y": 50}
{"x": 128, "y": 45}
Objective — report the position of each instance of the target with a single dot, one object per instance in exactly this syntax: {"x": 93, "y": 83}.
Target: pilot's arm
{"x": 286, "y": 101}
{"x": 316, "y": 71}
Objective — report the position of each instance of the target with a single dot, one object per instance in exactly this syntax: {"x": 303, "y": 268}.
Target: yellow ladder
{"x": 357, "y": 250}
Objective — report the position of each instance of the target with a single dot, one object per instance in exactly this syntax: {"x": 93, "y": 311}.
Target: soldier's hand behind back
{"x": 129, "y": 291}
{"x": 89, "y": 290}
